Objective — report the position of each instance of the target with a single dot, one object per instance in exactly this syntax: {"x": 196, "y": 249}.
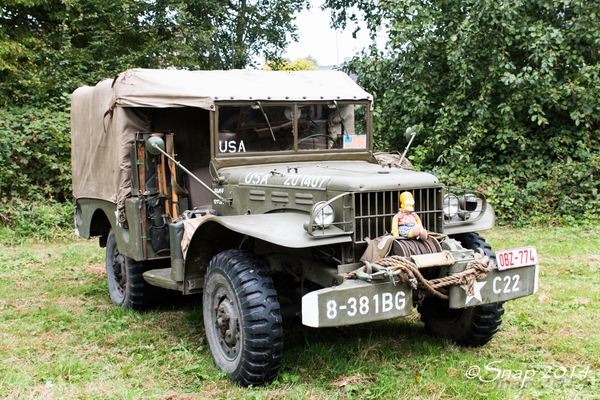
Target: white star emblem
{"x": 476, "y": 291}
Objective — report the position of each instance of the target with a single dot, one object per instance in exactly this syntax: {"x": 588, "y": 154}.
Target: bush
{"x": 40, "y": 220}
{"x": 556, "y": 193}
{"x": 504, "y": 96}
{"x": 35, "y": 173}
{"x": 35, "y": 154}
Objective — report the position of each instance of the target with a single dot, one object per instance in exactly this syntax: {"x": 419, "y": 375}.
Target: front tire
{"x": 242, "y": 318}
{"x": 126, "y": 285}
{"x": 473, "y": 326}
{"x": 474, "y": 241}
{"x": 469, "y": 327}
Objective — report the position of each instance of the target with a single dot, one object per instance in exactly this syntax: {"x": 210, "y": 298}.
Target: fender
{"x": 219, "y": 233}
{"x": 94, "y": 217}
{"x": 282, "y": 229}
{"x": 486, "y": 222}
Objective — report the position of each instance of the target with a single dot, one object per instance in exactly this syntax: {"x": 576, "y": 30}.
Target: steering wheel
{"x": 316, "y": 135}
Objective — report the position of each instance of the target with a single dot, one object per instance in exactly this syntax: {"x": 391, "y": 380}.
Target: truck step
{"x": 162, "y": 278}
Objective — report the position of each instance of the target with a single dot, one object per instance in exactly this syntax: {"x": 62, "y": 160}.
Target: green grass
{"x": 61, "y": 337}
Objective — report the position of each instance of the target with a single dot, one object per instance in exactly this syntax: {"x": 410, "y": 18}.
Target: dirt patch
{"x": 175, "y": 396}
{"x": 543, "y": 299}
{"x": 593, "y": 259}
{"x": 357, "y": 379}
{"x": 97, "y": 268}
{"x": 583, "y": 301}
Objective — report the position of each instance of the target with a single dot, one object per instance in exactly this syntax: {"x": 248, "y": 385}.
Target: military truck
{"x": 260, "y": 191}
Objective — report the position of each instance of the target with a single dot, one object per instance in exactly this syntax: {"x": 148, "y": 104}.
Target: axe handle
{"x": 141, "y": 164}
{"x": 162, "y": 183}
{"x": 175, "y": 198}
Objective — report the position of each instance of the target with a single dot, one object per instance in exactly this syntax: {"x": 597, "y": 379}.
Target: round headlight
{"x": 451, "y": 205}
{"x": 324, "y": 215}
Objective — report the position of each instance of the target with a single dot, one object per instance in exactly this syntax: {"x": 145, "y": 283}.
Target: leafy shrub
{"x": 504, "y": 96}
{"x": 35, "y": 154}
{"x": 41, "y": 220}
{"x": 557, "y": 193}
{"x": 35, "y": 173}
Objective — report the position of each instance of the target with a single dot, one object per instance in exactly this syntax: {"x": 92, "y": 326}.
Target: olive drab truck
{"x": 260, "y": 188}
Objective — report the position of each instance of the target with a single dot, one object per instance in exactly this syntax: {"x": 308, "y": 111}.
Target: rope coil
{"x": 407, "y": 272}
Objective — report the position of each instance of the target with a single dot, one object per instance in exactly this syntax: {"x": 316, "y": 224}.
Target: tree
{"x": 505, "y": 94}
{"x": 299, "y": 64}
{"x": 239, "y": 30}
{"x": 50, "y": 47}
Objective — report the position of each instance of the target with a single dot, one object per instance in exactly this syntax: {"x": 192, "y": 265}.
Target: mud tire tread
{"x": 470, "y": 327}
{"x": 261, "y": 350}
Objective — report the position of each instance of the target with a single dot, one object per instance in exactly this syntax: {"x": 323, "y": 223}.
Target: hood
{"x": 339, "y": 176}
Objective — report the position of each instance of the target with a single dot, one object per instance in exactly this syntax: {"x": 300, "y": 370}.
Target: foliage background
{"x": 504, "y": 94}
{"x": 48, "y": 48}
{"x": 505, "y": 98}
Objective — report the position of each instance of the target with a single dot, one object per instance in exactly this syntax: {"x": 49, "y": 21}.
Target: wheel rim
{"x": 226, "y": 322}
{"x": 119, "y": 269}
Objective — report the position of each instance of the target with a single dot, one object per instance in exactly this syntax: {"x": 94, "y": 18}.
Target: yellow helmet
{"x": 407, "y": 203}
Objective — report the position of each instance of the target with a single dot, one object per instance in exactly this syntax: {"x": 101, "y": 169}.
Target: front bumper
{"x": 356, "y": 301}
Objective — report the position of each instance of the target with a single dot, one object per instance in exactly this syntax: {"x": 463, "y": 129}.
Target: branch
{"x": 5, "y": 218}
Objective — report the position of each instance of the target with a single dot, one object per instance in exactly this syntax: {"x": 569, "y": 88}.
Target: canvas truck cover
{"x": 105, "y": 118}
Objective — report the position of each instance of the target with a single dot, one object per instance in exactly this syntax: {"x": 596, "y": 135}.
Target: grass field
{"x": 61, "y": 337}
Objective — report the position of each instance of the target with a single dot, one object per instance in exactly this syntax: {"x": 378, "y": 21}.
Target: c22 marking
{"x": 506, "y": 282}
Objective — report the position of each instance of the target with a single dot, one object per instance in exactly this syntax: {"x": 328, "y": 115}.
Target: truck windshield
{"x": 260, "y": 127}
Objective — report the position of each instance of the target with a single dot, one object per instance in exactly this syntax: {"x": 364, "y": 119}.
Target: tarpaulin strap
{"x": 108, "y": 112}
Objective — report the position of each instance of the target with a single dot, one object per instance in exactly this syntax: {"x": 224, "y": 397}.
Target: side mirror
{"x": 155, "y": 141}
{"x": 409, "y": 134}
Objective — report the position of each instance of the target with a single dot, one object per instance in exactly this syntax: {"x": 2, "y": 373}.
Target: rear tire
{"x": 126, "y": 285}
{"x": 242, "y": 318}
{"x": 473, "y": 326}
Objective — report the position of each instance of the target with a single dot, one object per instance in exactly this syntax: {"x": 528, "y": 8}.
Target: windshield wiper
{"x": 266, "y": 119}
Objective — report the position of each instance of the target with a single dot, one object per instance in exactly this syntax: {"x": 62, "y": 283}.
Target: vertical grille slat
{"x": 374, "y": 212}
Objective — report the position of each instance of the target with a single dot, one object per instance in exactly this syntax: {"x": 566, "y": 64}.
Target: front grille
{"x": 374, "y": 212}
